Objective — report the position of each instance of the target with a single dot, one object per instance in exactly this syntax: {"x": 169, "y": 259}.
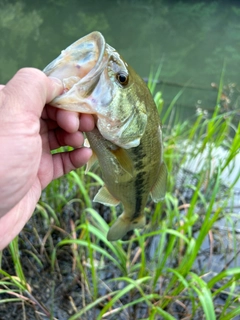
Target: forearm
{"x": 18, "y": 169}
{"x": 13, "y": 222}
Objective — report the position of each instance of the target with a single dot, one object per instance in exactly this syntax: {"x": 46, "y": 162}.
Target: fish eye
{"x": 122, "y": 78}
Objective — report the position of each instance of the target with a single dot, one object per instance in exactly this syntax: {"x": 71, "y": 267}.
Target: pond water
{"x": 190, "y": 40}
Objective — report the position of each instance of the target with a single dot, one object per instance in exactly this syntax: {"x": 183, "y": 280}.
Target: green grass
{"x": 166, "y": 282}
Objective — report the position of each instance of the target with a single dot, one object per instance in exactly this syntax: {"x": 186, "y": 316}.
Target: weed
{"x": 162, "y": 272}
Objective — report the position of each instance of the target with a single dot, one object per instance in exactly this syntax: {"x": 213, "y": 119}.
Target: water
{"x": 190, "y": 40}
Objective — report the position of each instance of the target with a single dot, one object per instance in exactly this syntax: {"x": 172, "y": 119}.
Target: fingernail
{"x": 58, "y": 87}
{"x": 57, "y": 81}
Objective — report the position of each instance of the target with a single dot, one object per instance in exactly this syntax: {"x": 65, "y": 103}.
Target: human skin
{"x": 29, "y": 130}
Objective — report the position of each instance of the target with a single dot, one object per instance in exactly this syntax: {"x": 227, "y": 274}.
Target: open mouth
{"x": 81, "y": 63}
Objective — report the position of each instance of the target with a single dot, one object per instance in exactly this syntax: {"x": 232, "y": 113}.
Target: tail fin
{"x": 123, "y": 225}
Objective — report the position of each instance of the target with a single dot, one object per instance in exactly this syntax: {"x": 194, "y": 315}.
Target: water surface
{"x": 191, "y": 41}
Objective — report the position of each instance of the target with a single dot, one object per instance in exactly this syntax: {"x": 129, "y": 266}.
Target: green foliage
{"x": 168, "y": 276}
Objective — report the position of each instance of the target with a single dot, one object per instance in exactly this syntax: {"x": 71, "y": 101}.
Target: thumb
{"x": 29, "y": 90}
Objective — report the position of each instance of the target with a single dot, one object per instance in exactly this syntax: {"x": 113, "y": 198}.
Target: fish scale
{"x": 127, "y": 139}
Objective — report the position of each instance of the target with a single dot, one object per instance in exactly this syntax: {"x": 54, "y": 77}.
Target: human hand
{"x": 29, "y": 130}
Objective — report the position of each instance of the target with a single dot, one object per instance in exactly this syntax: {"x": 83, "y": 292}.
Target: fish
{"x": 127, "y": 139}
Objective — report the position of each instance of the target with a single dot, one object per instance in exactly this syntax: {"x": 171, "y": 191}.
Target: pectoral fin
{"x": 159, "y": 189}
{"x": 103, "y": 196}
{"x": 124, "y": 160}
{"x": 121, "y": 226}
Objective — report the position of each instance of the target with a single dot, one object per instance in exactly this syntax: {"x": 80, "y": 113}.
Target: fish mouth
{"x": 86, "y": 69}
{"x": 79, "y": 64}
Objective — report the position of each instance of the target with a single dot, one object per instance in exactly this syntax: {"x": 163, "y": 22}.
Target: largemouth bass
{"x": 127, "y": 139}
